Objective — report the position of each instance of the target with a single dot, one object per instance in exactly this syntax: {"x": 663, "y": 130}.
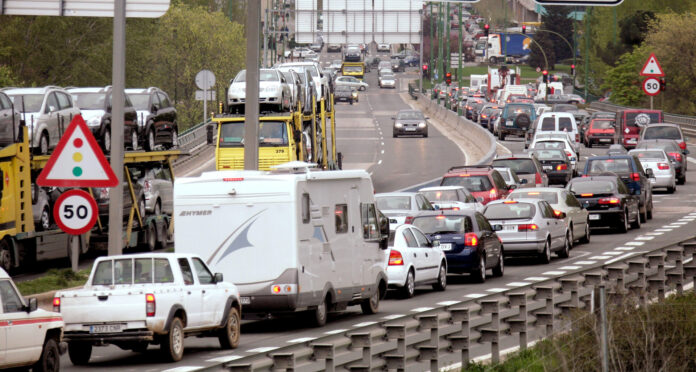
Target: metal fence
{"x": 687, "y": 123}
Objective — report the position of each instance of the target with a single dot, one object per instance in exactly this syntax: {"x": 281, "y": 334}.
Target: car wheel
{"x": 172, "y": 344}
{"x": 371, "y": 305}
{"x": 671, "y": 189}
{"x": 572, "y": 235}
{"x": 394, "y": 134}
{"x": 409, "y": 288}
{"x": 545, "y": 255}
{"x": 639, "y": 219}
{"x": 589, "y": 144}
{"x": 107, "y": 140}
{"x": 500, "y": 267}
{"x": 644, "y": 214}
{"x": 79, "y": 353}
{"x": 351, "y": 101}
{"x": 650, "y": 210}
{"x": 425, "y": 135}
{"x": 441, "y": 283}
{"x": 479, "y": 275}
{"x": 319, "y": 314}
{"x": 150, "y": 143}
{"x": 565, "y": 251}
{"x": 43, "y": 144}
{"x": 50, "y": 358}
{"x": 134, "y": 140}
{"x": 229, "y": 334}
{"x": 623, "y": 227}
{"x": 586, "y": 238}
{"x": 45, "y": 220}
{"x": 681, "y": 180}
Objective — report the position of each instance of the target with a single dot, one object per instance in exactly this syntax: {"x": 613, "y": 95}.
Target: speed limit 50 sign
{"x": 75, "y": 212}
{"x": 651, "y": 86}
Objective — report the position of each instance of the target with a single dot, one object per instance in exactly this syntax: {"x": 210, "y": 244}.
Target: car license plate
{"x": 509, "y": 227}
{"x": 105, "y": 328}
{"x": 548, "y": 167}
{"x": 508, "y": 123}
{"x": 245, "y": 300}
{"x": 594, "y": 217}
{"x": 410, "y": 129}
{"x": 446, "y": 246}
{"x": 605, "y": 140}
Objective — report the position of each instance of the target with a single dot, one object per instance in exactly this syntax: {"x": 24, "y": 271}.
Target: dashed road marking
{"x": 535, "y": 279}
{"x": 553, "y": 273}
{"x": 620, "y": 257}
{"x": 475, "y": 295}
{"x": 335, "y": 331}
{"x": 667, "y": 227}
{"x": 611, "y": 253}
{"x": 585, "y": 262}
{"x": 679, "y": 223}
{"x": 625, "y": 248}
{"x": 635, "y": 243}
{"x": 664, "y": 230}
{"x": 654, "y": 233}
{"x": 224, "y": 359}
{"x": 517, "y": 284}
{"x": 364, "y": 324}
{"x": 600, "y": 257}
{"x": 182, "y": 369}
{"x": 421, "y": 309}
{"x": 644, "y": 237}
{"x": 570, "y": 267}
{"x": 301, "y": 339}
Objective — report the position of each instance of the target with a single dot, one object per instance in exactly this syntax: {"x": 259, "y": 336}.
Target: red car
{"x": 484, "y": 182}
{"x": 600, "y": 131}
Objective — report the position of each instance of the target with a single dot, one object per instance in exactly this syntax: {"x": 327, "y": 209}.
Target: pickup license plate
{"x": 446, "y": 246}
{"x": 245, "y": 300}
{"x": 105, "y": 328}
{"x": 594, "y": 217}
{"x": 508, "y": 123}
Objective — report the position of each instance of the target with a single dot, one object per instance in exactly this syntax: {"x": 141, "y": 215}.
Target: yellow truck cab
{"x": 355, "y": 69}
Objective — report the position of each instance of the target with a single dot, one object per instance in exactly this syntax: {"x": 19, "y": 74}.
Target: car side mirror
{"x": 512, "y": 187}
{"x": 384, "y": 243}
{"x": 33, "y": 305}
{"x": 217, "y": 278}
{"x": 497, "y": 227}
{"x": 649, "y": 172}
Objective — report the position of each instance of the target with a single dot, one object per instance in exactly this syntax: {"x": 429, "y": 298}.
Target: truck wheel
{"x": 371, "y": 305}
{"x": 229, "y": 335}
{"x": 50, "y": 358}
{"x": 172, "y": 346}
{"x": 79, "y": 353}
{"x": 5, "y": 256}
{"x": 151, "y": 237}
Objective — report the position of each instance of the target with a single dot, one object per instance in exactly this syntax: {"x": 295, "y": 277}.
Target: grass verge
{"x": 54, "y": 279}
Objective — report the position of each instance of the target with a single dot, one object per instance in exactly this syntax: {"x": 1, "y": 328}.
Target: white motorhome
{"x": 291, "y": 239}
{"x": 512, "y": 90}
{"x": 477, "y": 81}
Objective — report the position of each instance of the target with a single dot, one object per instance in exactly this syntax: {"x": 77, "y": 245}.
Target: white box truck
{"x": 292, "y": 239}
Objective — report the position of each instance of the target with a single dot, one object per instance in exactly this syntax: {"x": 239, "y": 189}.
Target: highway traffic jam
{"x": 334, "y": 243}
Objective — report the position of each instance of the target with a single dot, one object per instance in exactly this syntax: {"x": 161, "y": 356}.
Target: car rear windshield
{"x": 90, "y": 101}
{"x": 549, "y": 154}
{"x": 394, "y": 203}
{"x": 602, "y": 124}
{"x": 472, "y": 183}
{"x": 672, "y": 133}
{"x": 440, "y": 195}
{"x": 592, "y": 187}
{"x": 647, "y": 154}
{"x": 644, "y": 118}
{"x": 512, "y": 211}
{"x": 550, "y": 197}
{"x": 343, "y": 88}
{"x": 352, "y": 69}
{"x": 548, "y": 124}
{"x": 609, "y": 165}
{"x": 550, "y": 145}
{"x": 520, "y": 166}
{"x": 565, "y": 124}
{"x": 140, "y": 101}
{"x": 505, "y": 174}
{"x": 441, "y": 224}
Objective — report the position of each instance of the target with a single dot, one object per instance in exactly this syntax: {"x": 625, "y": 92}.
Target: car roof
{"x": 462, "y": 212}
{"x": 419, "y": 111}
{"x": 89, "y": 90}
{"x": 514, "y": 156}
{"x": 38, "y": 90}
{"x": 143, "y": 90}
{"x": 663, "y": 125}
{"x": 520, "y": 200}
{"x": 409, "y": 194}
{"x": 537, "y": 189}
{"x": 614, "y": 179}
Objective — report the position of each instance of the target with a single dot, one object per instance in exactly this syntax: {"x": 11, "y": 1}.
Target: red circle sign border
{"x": 646, "y": 91}
{"x": 59, "y": 202}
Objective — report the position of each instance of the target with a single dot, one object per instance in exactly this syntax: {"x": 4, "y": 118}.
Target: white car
{"x": 336, "y": 65}
{"x": 273, "y": 90}
{"x": 662, "y": 167}
{"x": 558, "y": 143}
{"x": 387, "y": 81}
{"x": 352, "y": 82}
{"x": 385, "y": 71}
{"x": 413, "y": 260}
{"x": 29, "y": 337}
{"x": 383, "y": 47}
{"x": 302, "y": 52}
{"x": 321, "y": 81}
{"x": 451, "y": 197}
{"x": 400, "y": 207}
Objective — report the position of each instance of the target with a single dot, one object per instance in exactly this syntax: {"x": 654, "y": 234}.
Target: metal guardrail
{"x": 445, "y": 335}
{"x": 193, "y": 136}
{"x": 687, "y": 123}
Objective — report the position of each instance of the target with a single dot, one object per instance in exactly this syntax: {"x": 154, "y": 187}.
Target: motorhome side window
{"x": 305, "y": 208}
{"x": 341, "y": 212}
{"x": 369, "y": 221}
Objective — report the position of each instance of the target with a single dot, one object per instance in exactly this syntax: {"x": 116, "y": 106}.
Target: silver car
{"x": 46, "y": 111}
{"x": 561, "y": 200}
{"x": 273, "y": 90}
{"x": 351, "y": 82}
{"x": 387, "y": 81}
{"x": 452, "y": 198}
{"x": 662, "y": 166}
{"x": 158, "y": 187}
{"x": 9, "y": 121}
{"x": 529, "y": 227}
{"x": 401, "y": 207}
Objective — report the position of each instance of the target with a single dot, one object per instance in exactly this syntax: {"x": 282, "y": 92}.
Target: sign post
{"x": 652, "y": 70}
{"x": 205, "y": 79}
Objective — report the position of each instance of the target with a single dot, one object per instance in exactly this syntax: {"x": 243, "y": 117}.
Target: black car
{"x": 609, "y": 201}
{"x": 343, "y": 93}
{"x": 468, "y": 240}
{"x": 556, "y": 164}
{"x": 398, "y": 65}
{"x": 630, "y": 170}
{"x": 157, "y": 117}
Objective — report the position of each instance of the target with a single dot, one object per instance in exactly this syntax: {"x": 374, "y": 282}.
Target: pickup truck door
{"x": 193, "y": 296}
{"x": 212, "y": 295}
{"x": 25, "y": 331}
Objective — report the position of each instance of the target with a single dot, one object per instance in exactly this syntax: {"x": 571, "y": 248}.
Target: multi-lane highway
{"x": 364, "y": 137}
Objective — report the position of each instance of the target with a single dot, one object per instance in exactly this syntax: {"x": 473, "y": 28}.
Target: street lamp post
{"x": 459, "y": 72}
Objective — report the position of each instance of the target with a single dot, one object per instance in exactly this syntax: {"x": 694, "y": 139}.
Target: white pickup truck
{"x": 132, "y": 301}
{"x": 29, "y": 337}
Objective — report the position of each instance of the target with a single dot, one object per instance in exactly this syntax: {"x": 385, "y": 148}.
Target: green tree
{"x": 624, "y": 80}
{"x": 539, "y": 58}
{"x": 557, "y": 19}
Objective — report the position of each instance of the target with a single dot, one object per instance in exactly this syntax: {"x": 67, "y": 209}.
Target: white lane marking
{"x": 570, "y": 267}
{"x": 379, "y": 162}
{"x": 644, "y": 237}
{"x": 223, "y": 359}
{"x": 691, "y": 159}
{"x": 637, "y": 244}
{"x": 667, "y": 227}
{"x": 654, "y": 233}
{"x": 553, "y": 273}
{"x": 364, "y": 324}
{"x": 674, "y": 226}
{"x": 392, "y": 316}
{"x": 382, "y": 151}
{"x": 679, "y": 223}
{"x": 262, "y": 349}
{"x": 475, "y": 295}
{"x": 586, "y": 262}
{"x": 600, "y": 257}
{"x": 382, "y": 143}
{"x": 421, "y": 309}
{"x": 664, "y": 230}
{"x": 301, "y": 339}
{"x": 496, "y": 290}
{"x": 447, "y": 303}
{"x": 517, "y": 284}
{"x": 611, "y": 253}
{"x": 335, "y": 331}
{"x": 536, "y": 278}
{"x": 182, "y": 369}
{"x": 620, "y": 258}
{"x": 625, "y": 248}
{"x": 686, "y": 219}
{"x": 656, "y": 202}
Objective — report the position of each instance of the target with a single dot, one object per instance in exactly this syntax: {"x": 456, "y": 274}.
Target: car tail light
{"x": 609, "y": 201}
{"x": 635, "y": 177}
{"x": 408, "y": 220}
{"x": 395, "y": 258}
{"x": 455, "y": 208}
{"x": 577, "y": 137}
{"x": 470, "y": 240}
{"x": 663, "y": 166}
{"x": 677, "y": 156}
{"x": 493, "y": 194}
{"x": 682, "y": 145}
{"x": 556, "y": 212}
{"x": 56, "y": 304}
{"x": 510, "y": 202}
{"x": 148, "y": 186}
{"x": 561, "y": 167}
{"x": 150, "y": 305}
{"x": 527, "y": 226}
{"x": 537, "y": 178}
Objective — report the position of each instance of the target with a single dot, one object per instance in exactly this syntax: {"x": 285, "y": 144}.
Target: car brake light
{"x": 470, "y": 240}
{"x": 493, "y": 194}
{"x": 561, "y": 167}
{"x": 663, "y": 166}
{"x": 537, "y": 179}
{"x": 527, "y": 226}
{"x": 408, "y": 220}
{"x": 510, "y": 202}
{"x": 395, "y": 258}
{"x": 682, "y": 145}
{"x": 148, "y": 186}
{"x": 150, "y": 304}
{"x": 56, "y": 304}
{"x": 635, "y": 177}
{"x": 556, "y": 212}
{"x": 455, "y": 208}
{"x": 676, "y": 156}
{"x": 533, "y": 193}
{"x": 609, "y": 201}
{"x": 233, "y": 179}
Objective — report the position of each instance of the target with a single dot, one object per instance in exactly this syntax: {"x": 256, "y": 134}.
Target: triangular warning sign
{"x": 652, "y": 67}
{"x": 77, "y": 161}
